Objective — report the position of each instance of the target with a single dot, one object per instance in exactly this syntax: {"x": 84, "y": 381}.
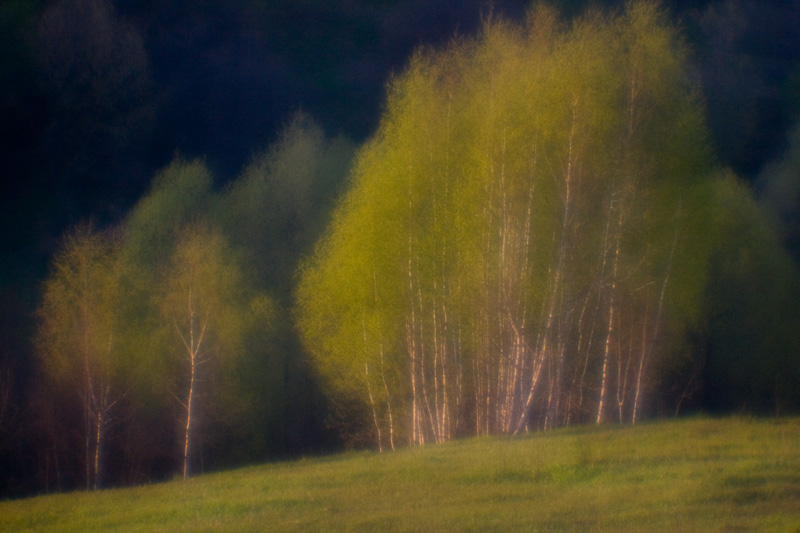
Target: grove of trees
{"x": 528, "y": 240}
{"x": 165, "y": 334}
{"x": 539, "y": 234}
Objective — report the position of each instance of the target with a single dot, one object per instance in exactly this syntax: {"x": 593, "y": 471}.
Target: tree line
{"x": 538, "y": 235}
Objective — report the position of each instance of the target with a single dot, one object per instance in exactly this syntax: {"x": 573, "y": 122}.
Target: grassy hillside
{"x": 685, "y": 475}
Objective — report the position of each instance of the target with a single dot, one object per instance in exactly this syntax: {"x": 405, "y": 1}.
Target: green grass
{"x": 730, "y": 474}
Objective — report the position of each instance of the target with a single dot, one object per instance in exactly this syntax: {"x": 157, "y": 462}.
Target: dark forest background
{"x": 96, "y": 96}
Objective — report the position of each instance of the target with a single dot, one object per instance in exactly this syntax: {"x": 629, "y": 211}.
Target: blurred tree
{"x": 753, "y": 313}
{"x": 520, "y": 234}
{"x": 180, "y": 194}
{"x": 779, "y": 192}
{"x": 191, "y": 285}
{"x": 200, "y": 300}
{"x": 271, "y": 215}
{"x": 79, "y": 339}
{"x": 275, "y": 210}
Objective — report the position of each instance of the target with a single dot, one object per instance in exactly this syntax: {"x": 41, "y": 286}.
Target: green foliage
{"x": 271, "y": 215}
{"x": 277, "y": 207}
{"x": 202, "y": 303}
{"x": 180, "y": 197}
{"x": 195, "y": 268}
{"x": 81, "y": 338}
{"x": 185, "y": 290}
{"x": 180, "y": 194}
{"x": 529, "y": 213}
{"x": 684, "y": 475}
{"x": 533, "y": 238}
{"x": 202, "y": 280}
{"x": 753, "y": 349}
{"x": 79, "y": 313}
{"x": 190, "y": 285}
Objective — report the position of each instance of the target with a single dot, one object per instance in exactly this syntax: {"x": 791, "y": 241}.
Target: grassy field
{"x": 730, "y": 474}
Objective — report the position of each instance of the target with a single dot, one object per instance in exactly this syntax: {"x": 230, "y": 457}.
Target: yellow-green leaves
{"x": 81, "y": 339}
{"x": 80, "y": 312}
{"x": 505, "y": 256}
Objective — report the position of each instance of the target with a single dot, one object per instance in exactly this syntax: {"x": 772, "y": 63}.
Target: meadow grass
{"x": 698, "y": 474}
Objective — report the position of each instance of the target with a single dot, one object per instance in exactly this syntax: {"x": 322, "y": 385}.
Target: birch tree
{"x": 200, "y": 290}
{"x": 79, "y": 339}
{"x": 209, "y": 331}
{"x": 520, "y": 224}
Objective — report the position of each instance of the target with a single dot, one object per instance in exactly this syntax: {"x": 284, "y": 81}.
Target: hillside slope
{"x": 688, "y": 475}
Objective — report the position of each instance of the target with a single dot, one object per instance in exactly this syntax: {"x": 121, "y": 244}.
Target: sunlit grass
{"x": 686, "y": 475}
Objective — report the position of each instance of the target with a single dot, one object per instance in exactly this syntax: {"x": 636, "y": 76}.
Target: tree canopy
{"x": 523, "y": 243}
{"x": 177, "y": 326}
